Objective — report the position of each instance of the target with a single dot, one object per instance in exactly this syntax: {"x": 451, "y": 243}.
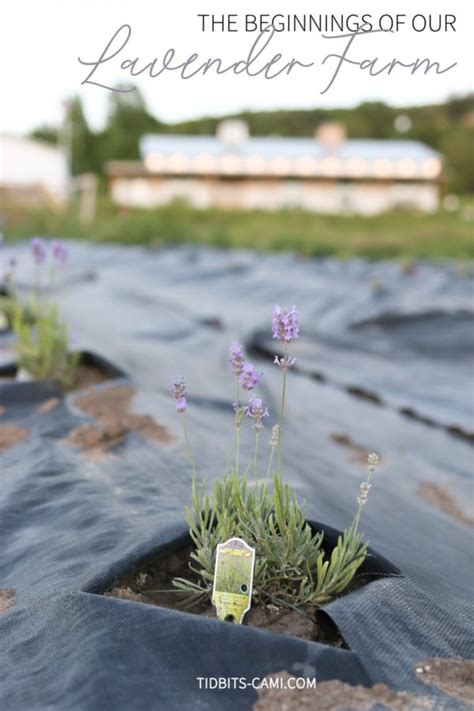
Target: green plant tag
{"x": 233, "y": 580}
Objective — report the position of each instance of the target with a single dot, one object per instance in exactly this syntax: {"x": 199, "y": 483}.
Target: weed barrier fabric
{"x": 71, "y": 524}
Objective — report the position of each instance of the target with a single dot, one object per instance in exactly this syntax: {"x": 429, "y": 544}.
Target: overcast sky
{"x": 41, "y": 41}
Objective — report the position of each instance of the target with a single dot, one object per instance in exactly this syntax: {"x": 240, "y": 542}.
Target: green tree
{"x": 48, "y": 134}
{"x": 457, "y": 145}
{"x": 78, "y": 139}
{"x": 128, "y": 120}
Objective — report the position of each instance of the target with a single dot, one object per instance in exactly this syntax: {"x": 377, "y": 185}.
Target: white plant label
{"x": 233, "y": 580}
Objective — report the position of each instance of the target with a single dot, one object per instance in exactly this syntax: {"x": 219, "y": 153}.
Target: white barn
{"x": 32, "y": 171}
{"x": 233, "y": 170}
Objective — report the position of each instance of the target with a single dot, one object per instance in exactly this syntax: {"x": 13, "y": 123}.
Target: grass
{"x": 403, "y": 235}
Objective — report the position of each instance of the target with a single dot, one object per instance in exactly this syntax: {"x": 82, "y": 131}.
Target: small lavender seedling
{"x": 291, "y": 566}
{"x": 42, "y": 339}
{"x": 8, "y": 296}
{"x": 42, "y": 348}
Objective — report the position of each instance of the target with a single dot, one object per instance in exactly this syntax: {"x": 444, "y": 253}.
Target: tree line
{"x": 447, "y": 127}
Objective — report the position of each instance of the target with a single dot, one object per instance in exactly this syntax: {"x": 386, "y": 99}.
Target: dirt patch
{"x": 458, "y": 431}
{"x": 360, "y": 453}
{"x": 10, "y": 435}
{"x": 7, "y": 599}
{"x": 283, "y": 621}
{"x": 453, "y": 676}
{"x": 86, "y": 376}
{"x": 47, "y": 405}
{"x": 335, "y": 696}
{"x": 364, "y": 394}
{"x": 102, "y": 404}
{"x": 111, "y": 409}
{"x": 125, "y": 594}
{"x": 455, "y": 430}
{"x": 414, "y": 415}
{"x": 440, "y": 497}
{"x": 96, "y": 442}
{"x": 153, "y": 585}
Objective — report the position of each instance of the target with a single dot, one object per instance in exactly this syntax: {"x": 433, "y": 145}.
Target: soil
{"x": 360, "y": 453}
{"x": 10, "y": 435}
{"x": 453, "y": 676}
{"x": 440, "y": 497}
{"x": 86, "y": 376}
{"x": 335, "y": 696}
{"x": 48, "y": 405}
{"x": 364, "y": 394}
{"x": 455, "y": 430}
{"x": 7, "y": 599}
{"x": 141, "y": 586}
{"x": 114, "y": 421}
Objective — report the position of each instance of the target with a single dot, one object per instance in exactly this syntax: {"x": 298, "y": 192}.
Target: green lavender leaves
{"x": 42, "y": 348}
{"x": 291, "y": 564}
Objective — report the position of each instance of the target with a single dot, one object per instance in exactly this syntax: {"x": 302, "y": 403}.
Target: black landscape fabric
{"x": 383, "y": 363}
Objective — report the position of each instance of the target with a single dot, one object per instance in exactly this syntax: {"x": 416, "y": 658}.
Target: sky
{"x": 41, "y": 41}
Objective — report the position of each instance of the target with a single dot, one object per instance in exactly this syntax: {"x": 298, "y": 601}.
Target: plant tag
{"x": 233, "y": 580}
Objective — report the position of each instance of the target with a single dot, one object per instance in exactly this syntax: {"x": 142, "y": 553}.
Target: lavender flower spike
{"x": 285, "y": 324}
{"x": 179, "y": 392}
{"x": 284, "y": 363}
{"x": 38, "y": 250}
{"x": 59, "y": 251}
{"x": 250, "y": 378}
{"x": 236, "y": 358}
{"x": 257, "y": 412}
{"x": 274, "y": 439}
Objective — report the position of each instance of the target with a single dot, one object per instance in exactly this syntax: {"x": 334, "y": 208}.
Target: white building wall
{"x": 26, "y": 163}
{"x": 367, "y": 198}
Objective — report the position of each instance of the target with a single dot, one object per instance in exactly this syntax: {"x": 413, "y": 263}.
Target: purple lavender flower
{"x": 284, "y": 363}
{"x": 59, "y": 251}
{"x": 250, "y": 378}
{"x": 38, "y": 250}
{"x": 179, "y": 393}
{"x": 236, "y": 358}
{"x": 257, "y": 412}
{"x": 285, "y": 324}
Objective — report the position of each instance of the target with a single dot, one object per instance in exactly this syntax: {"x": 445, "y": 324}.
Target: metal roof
{"x": 288, "y": 147}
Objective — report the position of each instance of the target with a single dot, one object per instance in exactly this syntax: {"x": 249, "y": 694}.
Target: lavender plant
{"x": 43, "y": 349}
{"x": 7, "y": 291}
{"x": 42, "y": 343}
{"x": 292, "y": 567}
